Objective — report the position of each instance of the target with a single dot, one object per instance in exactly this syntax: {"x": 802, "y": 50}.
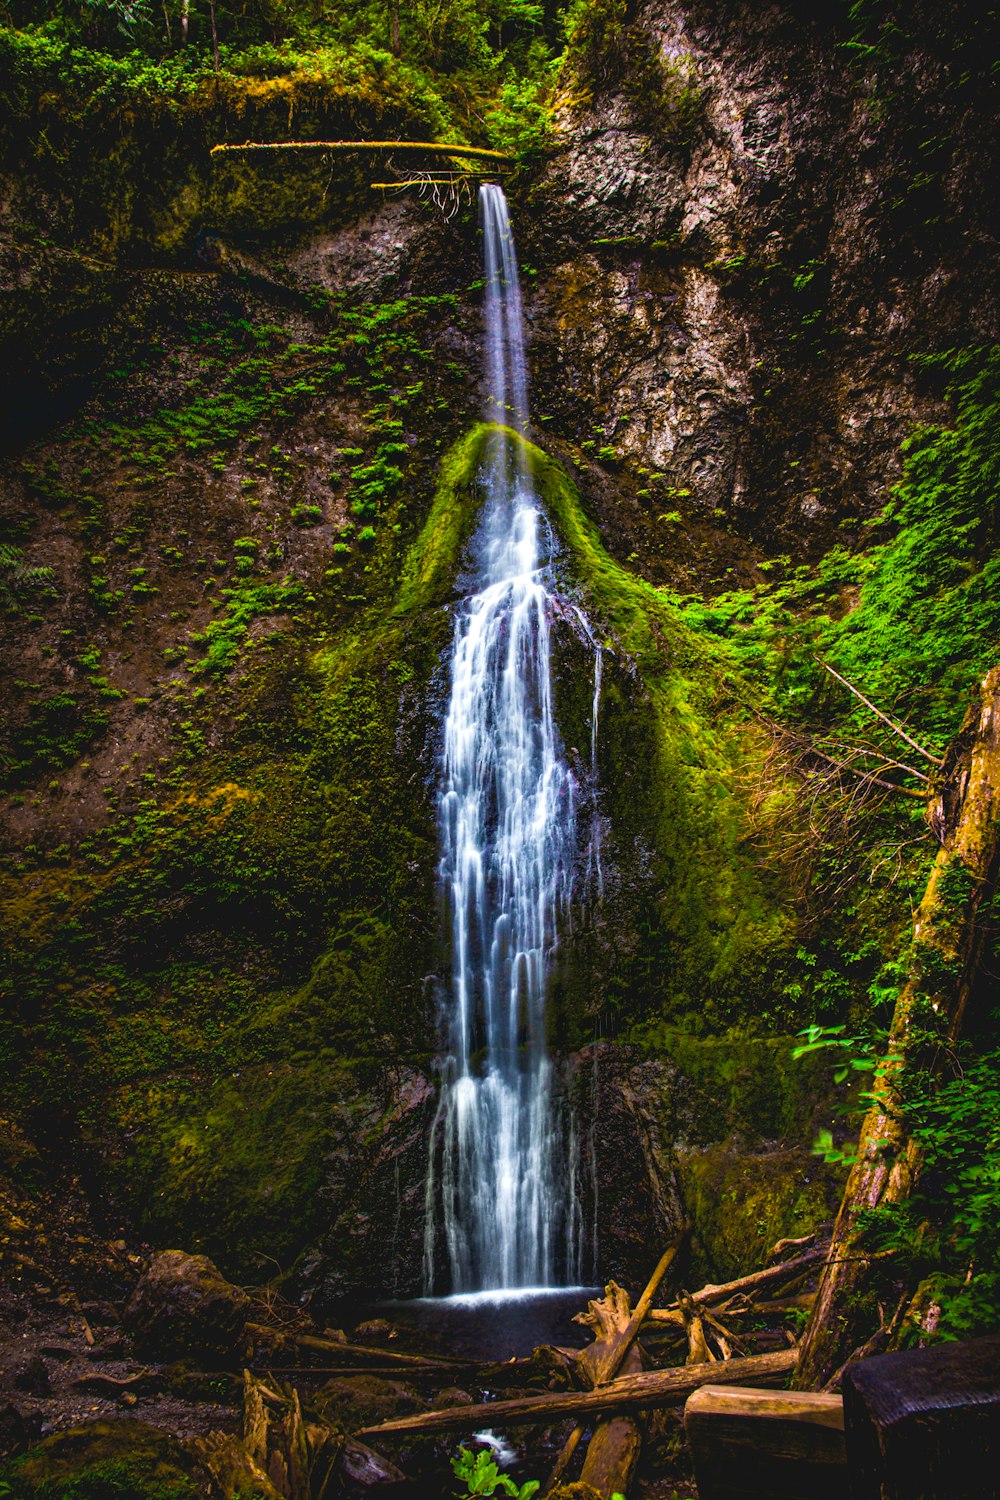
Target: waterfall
{"x": 505, "y": 1190}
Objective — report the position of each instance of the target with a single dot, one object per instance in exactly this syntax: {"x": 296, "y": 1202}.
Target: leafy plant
{"x": 19, "y": 580}
{"x": 480, "y": 1475}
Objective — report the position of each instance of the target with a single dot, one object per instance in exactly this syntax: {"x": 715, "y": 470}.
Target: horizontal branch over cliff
{"x": 443, "y": 148}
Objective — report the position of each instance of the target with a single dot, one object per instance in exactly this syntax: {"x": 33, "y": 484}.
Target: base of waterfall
{"x": 496, "y": 1324}
{"x": 498, "y": 1295}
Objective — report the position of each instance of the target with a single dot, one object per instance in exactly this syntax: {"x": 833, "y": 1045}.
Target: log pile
{"x": 617, "y": 1390}
{"x": 606, "y": 1389}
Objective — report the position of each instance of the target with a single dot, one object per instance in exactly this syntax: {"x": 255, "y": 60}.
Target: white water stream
{"x": 504, "y": 1187}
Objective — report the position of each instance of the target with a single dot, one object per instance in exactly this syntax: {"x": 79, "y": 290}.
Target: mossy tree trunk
{"x": 948, "y": 934}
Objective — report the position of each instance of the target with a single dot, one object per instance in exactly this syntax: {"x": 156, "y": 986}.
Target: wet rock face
{"x": 712, "y": 1137}
{"x": 374, "y": 1176}
{"x": 660, "y": 361}
{"x": 184, "y": 1306}
{"x": 735, "y": 303}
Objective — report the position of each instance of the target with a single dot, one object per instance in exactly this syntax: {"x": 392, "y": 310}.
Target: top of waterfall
{"x": 506, "y": 366}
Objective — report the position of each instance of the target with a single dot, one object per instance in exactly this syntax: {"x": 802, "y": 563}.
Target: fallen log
{"x": 439, "y": 148}
{"x": 363, "y": 1351}
{"x": 653, "y": 1389}
{"x": 422, "y": 1371}
{"x": 949, "y": 931}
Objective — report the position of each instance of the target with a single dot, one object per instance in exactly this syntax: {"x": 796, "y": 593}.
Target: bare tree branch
{"x": 896, "y": 728}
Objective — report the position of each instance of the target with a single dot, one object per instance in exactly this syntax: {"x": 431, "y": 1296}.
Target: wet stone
{"x": 32, "y": 1377}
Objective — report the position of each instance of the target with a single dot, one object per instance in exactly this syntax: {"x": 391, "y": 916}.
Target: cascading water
{"x": 504, "y": 1192}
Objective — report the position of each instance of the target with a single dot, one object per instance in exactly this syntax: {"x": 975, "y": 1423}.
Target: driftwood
{"x": 274, "y": 1435}
{"x": 948, "y": 935}
{"x": 617, "y": 1331}
{"x": 232, "y": 1467}
{"x": 711, "y": 1295}
{"x": 614, "y": 1449}
{"x": 653, "y": 1389}
{"x": 348, "y": 1351}
{"x": 603, "y": 1360}
{"x": 428, "y": 1370}
{"x": 699, "y": 1352}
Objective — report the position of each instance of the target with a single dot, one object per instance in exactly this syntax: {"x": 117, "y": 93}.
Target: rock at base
{"x": 183, "y": 1305}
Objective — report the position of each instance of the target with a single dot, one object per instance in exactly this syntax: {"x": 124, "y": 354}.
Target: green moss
{"x": 224, "y": 637}
{"x": 709, "y": 925}
{"x": 55, "y": 732}
{"x": 922, "y": 615}
{"x": 741, "y": 1204}
{"x": 108, "y": 1460}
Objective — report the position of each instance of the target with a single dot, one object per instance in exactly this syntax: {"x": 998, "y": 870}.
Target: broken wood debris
{"x": 647, "y": 1391}
{"x": 346, "y": 1351}
{"x": 709, "y": 1296}
{"x": 616, "y": 1327}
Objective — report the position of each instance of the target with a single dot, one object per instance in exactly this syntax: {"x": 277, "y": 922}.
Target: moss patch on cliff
{"x": 913, "y": 617}
{"x": 198, "y": 969}
{"x": 705, "y": 926}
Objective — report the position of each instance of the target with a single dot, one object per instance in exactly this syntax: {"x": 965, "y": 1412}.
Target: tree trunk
{"x": 948, "y": 934}
{"x": 394, "y": 27}
{"x": 215, "y": 36}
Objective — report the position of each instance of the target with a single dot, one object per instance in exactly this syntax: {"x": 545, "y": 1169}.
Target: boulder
{"x": 32, "y": 1377}
{"x": 16, "y": 1430}
{"x": 116, "y": 1460}
{"x": 352, "y": 1401}
{"x": 182, "y": 1306}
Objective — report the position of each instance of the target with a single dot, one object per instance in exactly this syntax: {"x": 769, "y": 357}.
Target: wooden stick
{"x": 412, "y": 1372}
{"x": 365, "y": 1351}
{"x": 896, "y": 728}
{"x": 562, "y": 1462}
{"x": 610, "y": 1364}
{"x": 768, "y": 1277}
{"x": 467, "y": 174}
{"x": 655, "y": 1388}
{"x": 443, "y": 148}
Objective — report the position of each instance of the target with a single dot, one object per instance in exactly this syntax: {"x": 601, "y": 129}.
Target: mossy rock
{"x": 743, "y": 1202}
{"x": 352, "y": 1401}
{"x": 112, "y": 1460}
